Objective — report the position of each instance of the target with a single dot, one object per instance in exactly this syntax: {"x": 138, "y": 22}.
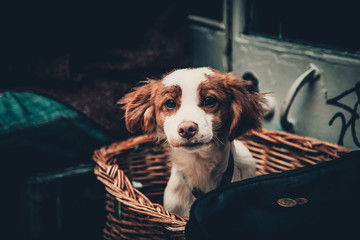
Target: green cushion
{"x": 45, "y": 134}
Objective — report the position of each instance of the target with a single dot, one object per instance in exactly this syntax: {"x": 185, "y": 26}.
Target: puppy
{"x": 200, "y": 112}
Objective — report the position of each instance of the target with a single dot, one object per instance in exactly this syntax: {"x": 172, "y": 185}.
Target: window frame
{"x": 208, "y": 22}
{"x": 239, "y": 37}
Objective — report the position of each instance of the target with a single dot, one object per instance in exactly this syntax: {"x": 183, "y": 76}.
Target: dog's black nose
{"x": 187, "y": 129}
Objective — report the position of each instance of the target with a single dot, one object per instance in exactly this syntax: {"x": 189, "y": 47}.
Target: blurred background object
{"x": 88, "y": 54}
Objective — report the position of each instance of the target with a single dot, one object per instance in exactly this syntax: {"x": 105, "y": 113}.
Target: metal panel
{"x": 208, "y": 38}
{"x": 327, "y": 108}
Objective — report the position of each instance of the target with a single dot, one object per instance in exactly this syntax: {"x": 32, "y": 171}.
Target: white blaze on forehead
{"x": 187, "y": 78}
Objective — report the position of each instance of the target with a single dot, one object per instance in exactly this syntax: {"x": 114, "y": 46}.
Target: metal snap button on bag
{"x": 287, "y": 202}
{"x": 301, "y": 201}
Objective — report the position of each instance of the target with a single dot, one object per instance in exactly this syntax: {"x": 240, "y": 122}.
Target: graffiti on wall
{"x": 351, "y": 123}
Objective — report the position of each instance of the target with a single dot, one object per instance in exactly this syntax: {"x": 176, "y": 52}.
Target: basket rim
{"x": 292, "y": 140}
{"x": 277, "y": 137}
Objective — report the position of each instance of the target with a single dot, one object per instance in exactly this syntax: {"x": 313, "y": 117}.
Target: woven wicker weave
{"x": 133, "y": 214}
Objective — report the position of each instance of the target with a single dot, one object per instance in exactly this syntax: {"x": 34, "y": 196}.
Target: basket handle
{"x": 311, "y": 74}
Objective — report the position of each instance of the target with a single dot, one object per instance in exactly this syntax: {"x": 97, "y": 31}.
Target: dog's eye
{"x": 209, "y": 102}
{"x": 170, "y": 104}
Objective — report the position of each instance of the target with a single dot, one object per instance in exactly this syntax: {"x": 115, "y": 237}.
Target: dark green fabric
{"x": 46, "y": 134}
{"x": 249, "y": 210}
{"x": 46, "y": 151}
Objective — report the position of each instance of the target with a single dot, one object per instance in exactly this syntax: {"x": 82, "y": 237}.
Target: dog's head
{"x": 194, "y": 107}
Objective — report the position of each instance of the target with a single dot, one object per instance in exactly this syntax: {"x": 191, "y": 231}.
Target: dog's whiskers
{"x": 218, "y": 141}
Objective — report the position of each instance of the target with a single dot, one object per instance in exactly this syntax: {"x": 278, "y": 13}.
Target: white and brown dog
{"x": 200, "y": 112}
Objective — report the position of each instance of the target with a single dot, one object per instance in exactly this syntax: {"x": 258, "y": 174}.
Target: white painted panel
{"x": 208, "y": 47}
{"x": 278, "y": 64}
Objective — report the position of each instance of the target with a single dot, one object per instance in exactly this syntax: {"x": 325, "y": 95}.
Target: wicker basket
{"x": 133, "y": 214}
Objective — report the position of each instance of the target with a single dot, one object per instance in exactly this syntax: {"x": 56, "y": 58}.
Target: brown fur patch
{"x": 163, "y": 94}
{"x": 139, "y": 106}
{"x": 220, "y": 111}
{"x": 238, "y": 109}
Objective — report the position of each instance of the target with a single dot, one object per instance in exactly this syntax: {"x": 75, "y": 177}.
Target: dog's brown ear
{"x": 139, "y": 106}
{"x": 246, "y": 107}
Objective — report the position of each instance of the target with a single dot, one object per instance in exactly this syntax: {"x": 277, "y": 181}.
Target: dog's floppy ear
{"x": 246, "y": 107}
{"x": 139, "y": 106}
